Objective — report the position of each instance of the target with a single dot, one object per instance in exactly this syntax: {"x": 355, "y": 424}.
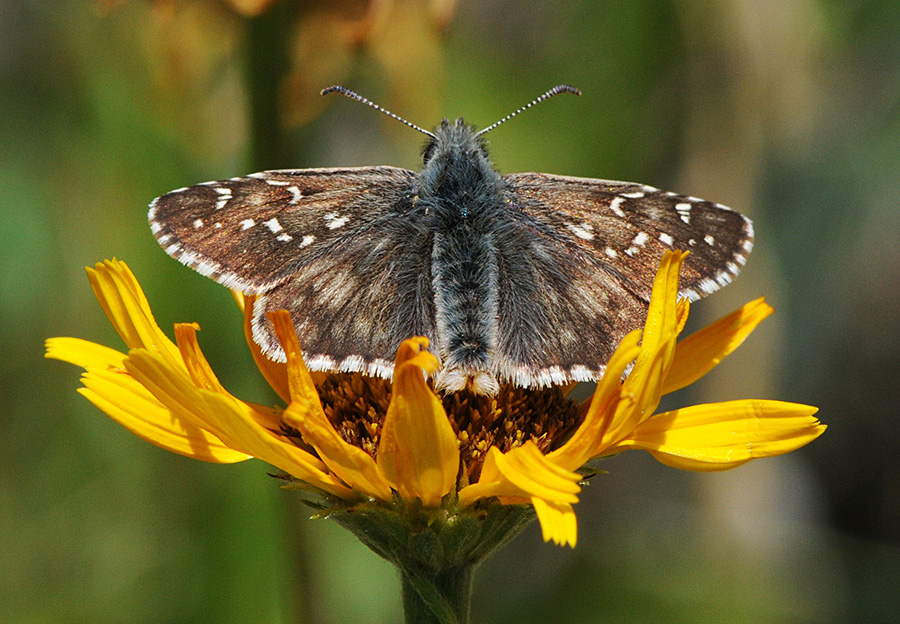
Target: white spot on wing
{"x": 198, "y": 223}
{"x": 284, "y": 237}
{"x": 581, "y": 231}
{"x": 616, "y": 206}
{"x": 635, "y": 195}
{"x": 307, "y": 240}
{"x": 333, "y": 222}
{"x": 224, "y": 196}
{"x": 611, "y": 252}
{"x": 273, "y": 225}
{"x": 666, "y": 239}
{"x": 246, "y": 224}
{"x": 297, "y": 194}
{"x": 709, "y": 240}
{"x": 684, "y": 211}
{"x": 640, "y": 240}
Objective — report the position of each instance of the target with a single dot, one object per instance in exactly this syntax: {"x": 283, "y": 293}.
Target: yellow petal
{"x": 127, "y": 402}
{"x": 351, "y": 464}
{"x": 558, "y": 521}
{"x": 662, "y": 314}
{"x": 657, "y": 344}
{"x": 202, "y": 375}
{"x": 589, "y": 439}
{"x": 232, "y": 421}
{"x": 697, "y": 354}
{"x": 173, "y": 388}
{"x": 526, "y": 474}
{"x": 719, "y": 436}
{"x": 418, "y": 453}
{"x": 682, "y": 311}
{"x": 533, "y": 473}
{"x": 522, "y": 473}
{"x": 275, "y": 373}
{"x": 300, "y": 383}
{"x": 83, "y": 353}
{"x": 491, "y": 482}
{"x": 640, "y": 399}
{"x": 127, "y": 308}
{"x": 243, "y": 431}
{"x": 195, "y": 363}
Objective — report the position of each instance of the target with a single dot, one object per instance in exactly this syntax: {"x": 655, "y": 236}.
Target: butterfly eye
{"x": 428, "y": 151}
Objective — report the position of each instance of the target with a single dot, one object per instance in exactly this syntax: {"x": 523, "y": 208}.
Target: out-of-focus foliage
{"x": 788, "y": 112}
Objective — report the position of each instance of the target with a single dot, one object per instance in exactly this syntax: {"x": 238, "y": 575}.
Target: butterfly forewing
{"x": 627, "y": 227}
{"x": 341, "y": 249}
{"x": 251, "y": 233}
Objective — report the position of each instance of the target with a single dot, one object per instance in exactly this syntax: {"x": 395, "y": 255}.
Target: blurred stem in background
{"x": 267, "y": 64}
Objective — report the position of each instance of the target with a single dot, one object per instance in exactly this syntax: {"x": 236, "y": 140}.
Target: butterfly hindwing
{"x": 357, "y": 301}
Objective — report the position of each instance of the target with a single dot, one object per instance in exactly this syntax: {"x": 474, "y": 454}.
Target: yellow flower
{"x": 365, "y": 444}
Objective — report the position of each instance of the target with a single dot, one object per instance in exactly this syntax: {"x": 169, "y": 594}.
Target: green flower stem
{"x": 441, "y": 598}
{"x": 436, "y": 551}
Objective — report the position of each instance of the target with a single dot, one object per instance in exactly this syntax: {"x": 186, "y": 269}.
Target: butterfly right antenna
{"x": 355, "y": 96}
{"x": 549, "y": 94}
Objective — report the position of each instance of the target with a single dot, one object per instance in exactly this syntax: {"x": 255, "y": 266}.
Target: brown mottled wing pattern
{"x": 593, "y": 247}
{"x": 340, "y": 248}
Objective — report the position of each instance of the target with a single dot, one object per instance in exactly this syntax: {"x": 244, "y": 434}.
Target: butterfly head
{"x": 454, "y": 138}
{"x": 457, "y": 171}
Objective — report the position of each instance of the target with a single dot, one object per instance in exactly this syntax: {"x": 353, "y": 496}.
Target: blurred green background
{"x": 788, "y": 111}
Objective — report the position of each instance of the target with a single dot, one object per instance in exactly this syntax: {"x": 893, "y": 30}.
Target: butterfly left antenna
{"x": 355, "y": 96}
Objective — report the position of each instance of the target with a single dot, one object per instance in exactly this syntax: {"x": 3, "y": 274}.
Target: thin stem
{"x": 267, "y": 62}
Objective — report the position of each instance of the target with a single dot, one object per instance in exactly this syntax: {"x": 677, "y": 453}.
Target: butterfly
{"x": 526, "y": 278}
